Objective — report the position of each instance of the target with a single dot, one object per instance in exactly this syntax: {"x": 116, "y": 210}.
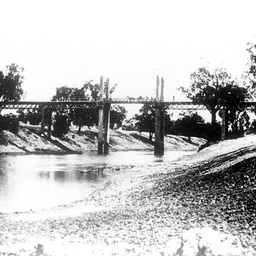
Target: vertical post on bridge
{"x": 223, "y": 124}
{"x": 100, "y": 124}
{"x": 42, "y": 121}
{"x": 106, "y": 120}
{"x": 50, "y": 125}
{"x": 159, "y": 120}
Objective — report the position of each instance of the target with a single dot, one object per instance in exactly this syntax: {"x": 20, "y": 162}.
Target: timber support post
{"x": 50, "y": 125}
{"x": 100, "y": 121}
{"x": 223, "y": 124}
{"x": 106, "y": 120}
{"x": 159, "y": 120}
{"x": 42, "y": 121}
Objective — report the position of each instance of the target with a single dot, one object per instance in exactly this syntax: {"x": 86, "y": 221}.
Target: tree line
{"x": 215, "y": 89}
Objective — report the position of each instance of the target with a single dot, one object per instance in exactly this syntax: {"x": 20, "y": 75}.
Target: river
{"x": 43, "y": 181}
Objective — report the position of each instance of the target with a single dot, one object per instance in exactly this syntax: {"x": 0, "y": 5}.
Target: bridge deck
{"x": 174, "y": 105}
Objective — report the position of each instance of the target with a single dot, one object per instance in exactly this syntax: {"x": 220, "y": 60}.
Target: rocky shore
{"x": 202, "y": 204}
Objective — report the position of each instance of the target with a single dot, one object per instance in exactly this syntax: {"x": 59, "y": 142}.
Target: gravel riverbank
{"x": 203, "y": 204}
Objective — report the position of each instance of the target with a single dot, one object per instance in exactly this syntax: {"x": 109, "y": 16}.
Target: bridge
{"x": 104, "y": 113}
{"x": 80, "y": 104}
{"x": 103, "y": 104}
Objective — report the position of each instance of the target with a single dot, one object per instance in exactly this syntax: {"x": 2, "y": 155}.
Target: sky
{"x": 66, "y": 43}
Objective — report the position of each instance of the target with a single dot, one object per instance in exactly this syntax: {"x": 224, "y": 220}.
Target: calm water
{"x": 42, "y": 181}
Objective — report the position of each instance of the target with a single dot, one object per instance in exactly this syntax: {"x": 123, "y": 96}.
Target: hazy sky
{"x": 70, "y": 42}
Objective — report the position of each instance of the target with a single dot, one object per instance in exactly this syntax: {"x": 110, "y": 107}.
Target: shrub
{"x": 61, "y": 125}
{"x": 9, "y": 122}
{"x": 34, "y": 118}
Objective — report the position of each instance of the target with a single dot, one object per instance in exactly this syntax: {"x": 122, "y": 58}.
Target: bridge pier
{"x": 50, "y": 125}
{"x": 104, "y": 119}
{"x": 223, "y": 124}
{"x": 159, "y": 130}
{"x": 159, "y": 120}
{"x": 100, "y": 119}
{"x": 106, "y": 127}
{"x": 42, "y": 121}
{"x": 100, "y": 130}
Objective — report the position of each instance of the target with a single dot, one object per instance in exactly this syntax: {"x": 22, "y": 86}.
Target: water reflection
{"x": 60, "y": 176}
{"x": 94, "y": 175}
{"x": 39, "y": 181}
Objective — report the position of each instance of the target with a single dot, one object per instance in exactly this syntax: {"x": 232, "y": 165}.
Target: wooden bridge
{"x": 104, "y": 115}
{"x": 80, "y": 104}
{"x": 103, "y": 104}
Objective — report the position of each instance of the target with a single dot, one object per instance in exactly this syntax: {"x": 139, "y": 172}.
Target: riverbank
{"x": 29, "y": 140}
{"x": 202, "y": 204}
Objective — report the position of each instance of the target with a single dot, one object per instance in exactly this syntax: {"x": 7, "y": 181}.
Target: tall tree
{"x": 117, "y": 116}
{"x": 145, "y": 121}
{"x": 88, "y": 116}
{"x": 188, "y": 124}
{"x": 249, "y": 77}
{"x": 10, "y": 83}
{"x": 65, "y": 93}
{"x": 214, "y": 90}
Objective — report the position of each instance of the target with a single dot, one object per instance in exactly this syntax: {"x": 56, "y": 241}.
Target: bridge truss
{"x": 54, "y": 105}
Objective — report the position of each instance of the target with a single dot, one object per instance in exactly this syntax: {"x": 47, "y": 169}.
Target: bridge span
{"x": 80, "y": 104}
{"x": 54, "y": 105}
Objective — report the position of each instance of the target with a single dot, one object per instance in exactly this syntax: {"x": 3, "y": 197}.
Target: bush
{"x": 61, "y": 125}
{"x": 194, "y": 125}
{"x": 34, "y": 118}
{"x": 9, "y": 122}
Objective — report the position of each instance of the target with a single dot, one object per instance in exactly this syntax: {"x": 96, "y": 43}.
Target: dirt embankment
{"x": 29, "y": 140}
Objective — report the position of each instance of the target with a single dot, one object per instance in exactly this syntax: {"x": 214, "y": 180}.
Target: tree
{"x": 61, "y": 124}
{"x": 88, "y": 92}
{"x": 86, "y": 116}
{"x": 9, "y": 122}
{"x": 250, "y": 75}
{"x": 65, "y": 93}
{"x": 34, "y": 116}
{"x": 205, "y": 87}
{"x": 145, "y": 121}
{"x": 10, "y": 83}
{"x": 215, "y": 91}
{"x": 188, "y": 124}
{"x": 117, "y": 116}
{"x": 80, "y": 117}
{"x": 232, "y": 98}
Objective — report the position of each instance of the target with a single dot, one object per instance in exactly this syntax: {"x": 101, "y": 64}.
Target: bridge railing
{"x": 173, "y": 105}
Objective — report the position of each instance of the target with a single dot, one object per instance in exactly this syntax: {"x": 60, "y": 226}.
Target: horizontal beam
{"x": 174, "y": 105}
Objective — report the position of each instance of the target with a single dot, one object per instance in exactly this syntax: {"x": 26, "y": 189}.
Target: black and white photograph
{"x": 128, "y": 128}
